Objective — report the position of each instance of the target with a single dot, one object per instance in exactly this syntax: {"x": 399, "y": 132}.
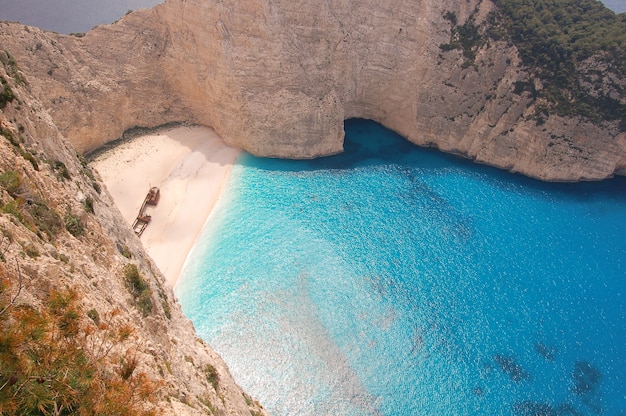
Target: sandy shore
{"x": 190, "y": 166}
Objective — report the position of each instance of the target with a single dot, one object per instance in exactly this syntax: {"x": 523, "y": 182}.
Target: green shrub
{"x": 134, "y": 281}
{"x": 89, "y": 204}
{"x": 8, "y": 134}
{"x": 124, "y": 250}
{"x": 12, "y": 69}
{"x": 144, "y": 302}
{"x": 139, "y": 288}
{"x": 34, "y": 214}
{"x": 29, "y": 156}
{"x": 6, "y": 93}
{"x": 45, "y": 218}
{"x": 13, "y": 208}
{"x": 212, "y": 376}
{"x": 465, "y": 37}
{"x": 205, "y": 400}
{"x": 61, "y": 170}
{"x": 127, "y": 367}
{"x": 166, "y": 306}
{"x": 6, "y": 239}
{"x": 31, "y": 251}
{"x": 164, "y": 302}
{"x": 11, "y": 181}
{"x": 553, "y": 38}
{"x": 94, "y": 315}
{"x": 74, "y": 225}
{"x": 83, "y": 162}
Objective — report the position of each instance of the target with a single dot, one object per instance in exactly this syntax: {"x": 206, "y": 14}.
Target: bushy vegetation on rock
{"x": 553, "y": 33}
{"x": 466, "y": 37}
{"x": 139, "y": 288}
{"x": 27, "y": 206}
{"x": 61, "y": 170}
{"x": 18, "y": 148}
{"x": 555, "y": 38}
{"x": 11, "y": 181}
{"x": 69, "y": 343}
{"x": 74, "y": 225}
{"x": 55, "y": 360}
{"x": 6, "y": 93}
{"x": 576, "y": 49}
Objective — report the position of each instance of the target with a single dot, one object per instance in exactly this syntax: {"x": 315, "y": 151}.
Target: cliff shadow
{"x": 368, "y": 143}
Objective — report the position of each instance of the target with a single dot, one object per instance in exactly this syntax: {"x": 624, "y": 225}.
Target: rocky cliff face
{"x": 279, "y": 78}
{"x": 276, "y": 78}
{"x": 59, "y": 231}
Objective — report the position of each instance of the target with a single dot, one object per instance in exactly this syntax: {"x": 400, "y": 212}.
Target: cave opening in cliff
{"x": 366, "y": 140}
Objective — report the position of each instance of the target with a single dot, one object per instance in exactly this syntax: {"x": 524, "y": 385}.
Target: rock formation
{"x": 278, "y": 79}
{"x": 59, "y": 231}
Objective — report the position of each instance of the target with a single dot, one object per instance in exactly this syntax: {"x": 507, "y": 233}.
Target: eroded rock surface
{"x": 278, "y": 79}
{"x": 41, "y": 251}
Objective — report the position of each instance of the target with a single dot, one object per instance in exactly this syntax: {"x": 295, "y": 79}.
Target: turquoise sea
{"x": 395, "y": 280}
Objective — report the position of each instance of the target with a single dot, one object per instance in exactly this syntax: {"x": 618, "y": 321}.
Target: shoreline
{"x": 190, "y": 165}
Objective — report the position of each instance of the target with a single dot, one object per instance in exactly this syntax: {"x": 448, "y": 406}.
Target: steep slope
{"x": 279, "y": 78}
{"x": 83, "y": 310}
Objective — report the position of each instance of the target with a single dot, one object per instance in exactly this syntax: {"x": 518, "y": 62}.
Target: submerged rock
{"x": 545, "y": 351}
{"x": 585, "y": 378}
{"x": 530, "y": 408}
{"x": 510, "y": 367}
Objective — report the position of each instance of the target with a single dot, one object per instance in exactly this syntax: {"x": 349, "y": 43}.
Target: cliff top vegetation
{"x": 577, "y": 48}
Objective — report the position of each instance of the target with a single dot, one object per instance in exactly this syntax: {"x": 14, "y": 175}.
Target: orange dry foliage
{"x": 54, "y": 360}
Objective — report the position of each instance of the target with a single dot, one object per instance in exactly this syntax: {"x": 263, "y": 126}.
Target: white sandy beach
{"x": 190, "y": 166}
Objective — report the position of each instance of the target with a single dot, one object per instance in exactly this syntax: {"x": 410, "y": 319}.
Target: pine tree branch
{"x": 20, "y": 285}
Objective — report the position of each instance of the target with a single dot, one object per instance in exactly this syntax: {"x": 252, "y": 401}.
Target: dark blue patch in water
{"x": 446, "y": 287}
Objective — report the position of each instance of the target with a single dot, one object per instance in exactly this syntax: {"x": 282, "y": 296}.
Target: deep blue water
{"x": 394, "y": 280}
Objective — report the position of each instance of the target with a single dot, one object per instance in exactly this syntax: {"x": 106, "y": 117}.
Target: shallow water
{"x": 394, "y": 280}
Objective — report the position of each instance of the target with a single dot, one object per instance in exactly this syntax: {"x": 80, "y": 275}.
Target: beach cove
{"x": 396, "y": 280}
{"x": 388, "y": 280}
{"x": 485, "y": 292}
{"x": 189, "y": 164}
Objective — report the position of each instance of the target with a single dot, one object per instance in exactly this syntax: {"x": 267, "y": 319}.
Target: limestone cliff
{"x": 278, "y": 79}
{"x": 60, "y": 231}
